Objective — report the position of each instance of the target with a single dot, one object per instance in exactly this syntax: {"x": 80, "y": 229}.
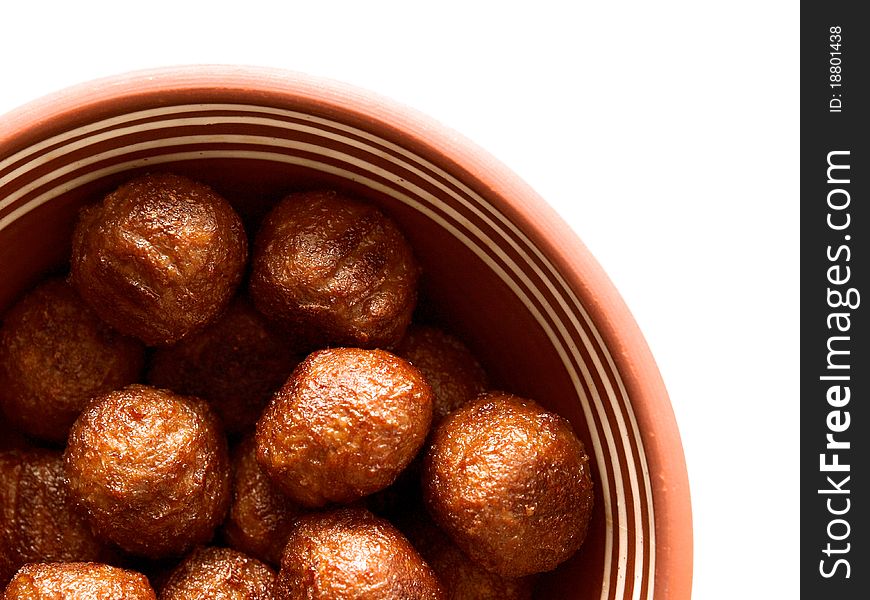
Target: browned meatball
{"x": 335, "y": 270}
{"x": 448, "y": 366}
{"x": 37, "y": 519}
{"x": 160, "y": 257}
{"x": 344, "y": 425}
{"x": 260, "y": 516}
{"x": 236, "y": 364}
{"x": 462, "y": 578}
{"x": 150, "y": 467}
{"x": 77, "y": 581}
{"x": 510, "y": 483}
{"x": 219, "y": 574}
{"x": 55, "y": 355}
{"x": 351, "y": 554}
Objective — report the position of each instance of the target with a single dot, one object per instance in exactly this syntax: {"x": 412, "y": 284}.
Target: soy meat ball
{"x": 150, "y": 468}
{"x": 509, "y": 482}
{"x": 335, "y": 271}
{"x": 219, "y": 573}
{"x": 448, "y": 366}
{"x": 351, "y": 554}
{"x": 462, "y": 578}
{"x": 78, "y": 581}
{"x": 345, "y": 424}
{"x": 236, "y": 363}
{"x": 160, "y": 257}
{"x": 260, "y": 517}
{"x": 55, "y": 356}
{"x": 38, "y": 521}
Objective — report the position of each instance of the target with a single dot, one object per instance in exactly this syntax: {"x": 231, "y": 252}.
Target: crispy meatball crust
{"x": 37, "y": 518}
{"x": 151, "y": 470}
{"x": 447, "y": 365}
{"x": 77, "y": 581}
{"x": 236, "y": 363}
{"x": 159, "y": 258}
{"x": 345, "y": 424}
{"x": 261, "y": 517}
{"x": 509, "y": 482}
{"x": 462, "y": 578}
{"x": 336, "y": 271}
{"x": 219, "y": 574}
{"x": 351, "y": 554}
{"x": 55, "y": 355}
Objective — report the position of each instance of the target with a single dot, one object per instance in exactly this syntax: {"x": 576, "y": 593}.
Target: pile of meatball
{"x": 183, "y": 420}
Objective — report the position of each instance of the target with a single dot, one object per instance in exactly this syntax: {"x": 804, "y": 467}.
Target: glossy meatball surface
{"x": 38, "y": 521}
{"x": 150, "y": 468}
{"x": 261, "y": 516}
{"x": 351, "y": 554}
{"x": 219, "y": 574}
{"x": 77, "y": 581}
{"x": 335, "y": 270}
{"x": 159, "y": 257}
{"x": 509, "y": 482}
{"x": 55, "y": 355}
{"x": 345, "y": 424}
{"x": 235, "y": 363}
{"x": 447, "y": 365}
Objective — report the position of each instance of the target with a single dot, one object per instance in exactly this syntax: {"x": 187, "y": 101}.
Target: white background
{"x": 666, "y": 133}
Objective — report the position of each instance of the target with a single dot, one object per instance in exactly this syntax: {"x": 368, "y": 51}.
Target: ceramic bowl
{"x": 501, "y": 269}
